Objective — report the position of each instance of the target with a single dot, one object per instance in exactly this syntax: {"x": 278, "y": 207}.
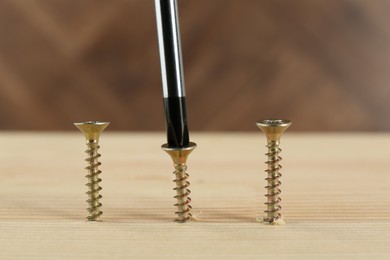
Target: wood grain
{"x": 323, "y": 64}
{"x": 335, "y": 195}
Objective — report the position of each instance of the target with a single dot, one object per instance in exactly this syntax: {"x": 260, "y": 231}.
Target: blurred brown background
{"x": 323, "y": 64}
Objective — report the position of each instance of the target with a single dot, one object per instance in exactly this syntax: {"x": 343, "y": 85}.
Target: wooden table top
{"x": 335, "y": 198}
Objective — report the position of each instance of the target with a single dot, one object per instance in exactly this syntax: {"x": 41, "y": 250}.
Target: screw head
{"x": 179, "y": 155}
{"x": 273, "y": 128}
{"x": 92, "y": 129}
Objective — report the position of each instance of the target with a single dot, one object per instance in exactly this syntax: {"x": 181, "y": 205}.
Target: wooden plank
{"x": 336, "y": 197}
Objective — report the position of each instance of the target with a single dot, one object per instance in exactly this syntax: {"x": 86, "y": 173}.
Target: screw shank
{"x": 93, "y": 181}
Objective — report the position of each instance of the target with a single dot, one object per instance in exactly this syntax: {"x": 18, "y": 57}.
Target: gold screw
{"x": 179, "y": 157}
{"x": 92, "y": 131}
{"x": 273, "y": 129}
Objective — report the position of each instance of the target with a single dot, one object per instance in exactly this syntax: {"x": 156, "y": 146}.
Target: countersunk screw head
{"x": 92, "y": 129}
{"x": 179, "y": 155}
{"x": 273, "y": 128}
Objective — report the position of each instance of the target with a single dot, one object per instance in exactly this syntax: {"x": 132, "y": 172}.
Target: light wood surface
{"x": 335, "y": 192}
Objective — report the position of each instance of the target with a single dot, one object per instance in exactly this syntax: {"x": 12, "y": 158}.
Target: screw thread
{"x": 182, "y": 191}
{"x": 93, "y": 181}
{"x": 273, "y": 183}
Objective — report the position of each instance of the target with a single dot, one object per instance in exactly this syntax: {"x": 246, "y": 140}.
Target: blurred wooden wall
{"x": 324, "y": 64}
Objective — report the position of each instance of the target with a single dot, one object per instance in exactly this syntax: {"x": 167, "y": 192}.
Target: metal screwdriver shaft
{"x": 92, "y": 131}
{"x": 172, "y": 73}
{"x": 273, "y": 129}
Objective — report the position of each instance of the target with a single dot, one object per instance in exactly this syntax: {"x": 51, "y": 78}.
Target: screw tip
{"x": 273, "y": 128}
{"x": 92, "y": 129}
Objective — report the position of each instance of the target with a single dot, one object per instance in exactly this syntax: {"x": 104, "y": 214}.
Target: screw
{"x": 179, "y": 157}
{"x": 273, "y": 129}
{"x": 92, "y": 131}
